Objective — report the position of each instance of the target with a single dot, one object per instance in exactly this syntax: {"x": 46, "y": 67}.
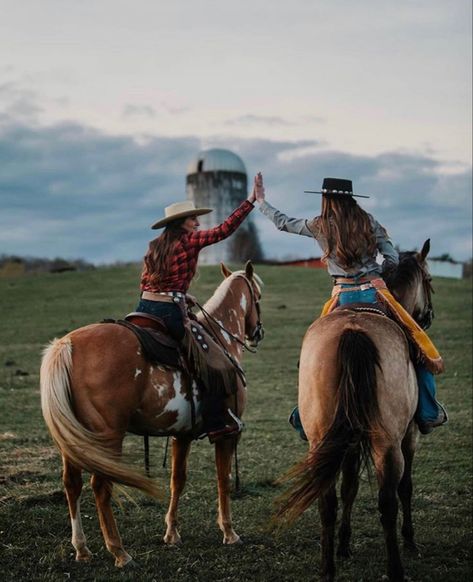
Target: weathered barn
{"x": 216, "y": 178}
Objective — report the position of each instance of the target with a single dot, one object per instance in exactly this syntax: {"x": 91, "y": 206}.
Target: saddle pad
{"x": 157, "y": 347}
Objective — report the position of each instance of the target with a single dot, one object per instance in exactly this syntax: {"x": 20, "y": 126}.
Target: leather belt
{"x": 163, "y": 297}
{"x": 375, "y": 283}
{"x": 354, "y": 280}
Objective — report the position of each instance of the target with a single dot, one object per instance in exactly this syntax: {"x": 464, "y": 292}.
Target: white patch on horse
{"x": 137, "y": 372}
{"x": 178, "y": 404}
{"x": 224, "y": 334}
{"x": 243, "y": 302}
{"x": 78, "y": 537}
{"x": 160, "y": 388}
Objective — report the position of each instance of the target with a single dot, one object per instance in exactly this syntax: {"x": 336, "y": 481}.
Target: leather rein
{"x": 258, "y": 328}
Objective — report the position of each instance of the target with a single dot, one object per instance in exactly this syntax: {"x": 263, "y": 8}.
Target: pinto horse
{"x": 357, "y": 399}
{"x": 96, "y": 386}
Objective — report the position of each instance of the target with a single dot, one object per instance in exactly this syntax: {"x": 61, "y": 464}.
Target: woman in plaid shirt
{"x": 169, "y": 267}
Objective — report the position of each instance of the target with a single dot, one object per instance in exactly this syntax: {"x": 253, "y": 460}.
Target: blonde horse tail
{"x": 86, "y": 450}
{"x": 356, "y": 419}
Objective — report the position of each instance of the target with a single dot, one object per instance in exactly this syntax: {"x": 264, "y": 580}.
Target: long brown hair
{"x": 347, "y": 229}
{"x": 160, "y": 250}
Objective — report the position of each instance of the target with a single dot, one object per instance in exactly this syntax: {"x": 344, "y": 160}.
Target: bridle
{"x": 425, "y": 321}
{"x": 257, "y": 333}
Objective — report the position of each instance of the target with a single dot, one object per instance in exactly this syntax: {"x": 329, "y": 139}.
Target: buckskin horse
{"x": 96, "y": 386}
{"x": 357, "y": 400}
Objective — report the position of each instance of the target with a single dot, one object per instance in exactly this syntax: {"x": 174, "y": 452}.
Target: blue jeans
{"x": 170, "y": 313}
{"x": 427, "y": 407}
{"x": 366, "y": 296}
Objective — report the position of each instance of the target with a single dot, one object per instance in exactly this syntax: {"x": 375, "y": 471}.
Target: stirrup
{"x": 240, "y": 424}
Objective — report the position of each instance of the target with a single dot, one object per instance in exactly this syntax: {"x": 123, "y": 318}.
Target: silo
{"x": 217, "y": 179}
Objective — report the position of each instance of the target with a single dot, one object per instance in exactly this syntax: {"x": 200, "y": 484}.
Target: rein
{"x": 218, "y": 324}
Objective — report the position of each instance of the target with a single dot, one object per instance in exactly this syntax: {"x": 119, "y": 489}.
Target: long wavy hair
{"x": 347, "y": 229}
{"x": 160, "y": 250}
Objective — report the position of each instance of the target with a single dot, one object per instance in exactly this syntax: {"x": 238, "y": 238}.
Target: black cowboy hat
{"x": 336, "y": 186}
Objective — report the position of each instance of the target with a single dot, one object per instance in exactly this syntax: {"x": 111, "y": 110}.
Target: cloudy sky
{"x": 104, "y": 103}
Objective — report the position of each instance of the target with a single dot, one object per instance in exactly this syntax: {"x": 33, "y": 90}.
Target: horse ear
{"x": 225, "y": 270}
{"x": 249, "y": 269}
{"x": 425, "y": 250}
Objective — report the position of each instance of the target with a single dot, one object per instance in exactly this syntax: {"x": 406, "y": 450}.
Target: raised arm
{"x": 279, "y": 219}
{"x": 204, "y": 238}
{"x": 385, "y": 246}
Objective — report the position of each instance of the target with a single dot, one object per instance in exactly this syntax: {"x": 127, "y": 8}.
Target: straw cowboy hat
{"x": 180, "y": 210}
{"x": 336, "y": 186}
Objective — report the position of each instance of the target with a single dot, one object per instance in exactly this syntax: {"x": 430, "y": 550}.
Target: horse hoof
{"x": 84, "y": 555}
{"x": 127, "y": 561}
{"x": 411, "y": 547}
{"x": 235, "y": 540}
{"x": 172, "y": 540}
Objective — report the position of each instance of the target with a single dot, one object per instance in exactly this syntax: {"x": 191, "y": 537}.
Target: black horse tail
{"x": 356, "y": 419}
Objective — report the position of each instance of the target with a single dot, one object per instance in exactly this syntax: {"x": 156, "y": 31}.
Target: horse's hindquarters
{"x": 319, "y": 372}
{"x": 108, "y": 376}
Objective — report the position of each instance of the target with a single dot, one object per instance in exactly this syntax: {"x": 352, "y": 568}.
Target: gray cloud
{"x": 18, "y": 103}
{"x": 271, "y": 121}
{"x": 145, "y": 110}
{"x": 246, "y": 120}
{"x": 73, "y": 191}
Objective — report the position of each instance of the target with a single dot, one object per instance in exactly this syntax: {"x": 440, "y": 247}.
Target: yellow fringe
{"x": 430, "y": 355}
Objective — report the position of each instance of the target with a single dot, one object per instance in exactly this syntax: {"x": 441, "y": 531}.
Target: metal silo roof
{"x": 215, "y": 160}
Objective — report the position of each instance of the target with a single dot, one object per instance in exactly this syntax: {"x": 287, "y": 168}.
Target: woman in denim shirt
{"x": 351, "y": 239}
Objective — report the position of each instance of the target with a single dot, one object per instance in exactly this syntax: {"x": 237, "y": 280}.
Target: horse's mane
{"x": 219, "y": 294}
{"x": 406, "y": 272}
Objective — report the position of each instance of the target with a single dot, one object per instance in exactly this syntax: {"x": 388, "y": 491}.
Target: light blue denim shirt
{"x": 367, "y": 265}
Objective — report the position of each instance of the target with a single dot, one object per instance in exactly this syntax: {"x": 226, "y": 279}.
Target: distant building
{"x": 217, "y": 179}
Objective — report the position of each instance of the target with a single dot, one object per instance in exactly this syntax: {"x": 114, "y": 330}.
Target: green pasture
{"x": 34, "y": 523}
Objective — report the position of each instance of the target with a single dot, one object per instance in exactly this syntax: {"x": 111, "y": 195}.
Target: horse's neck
{"x": 410, "y": 298}
{"x": 228, "y": 307}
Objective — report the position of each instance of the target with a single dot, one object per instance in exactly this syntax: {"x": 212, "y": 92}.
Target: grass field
{"x": 34, "y": 523}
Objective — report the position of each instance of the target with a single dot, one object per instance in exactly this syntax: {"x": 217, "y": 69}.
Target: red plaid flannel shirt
{"x": 183, "y": 263}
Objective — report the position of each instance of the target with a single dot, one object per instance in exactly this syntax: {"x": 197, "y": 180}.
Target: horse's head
{"x": 254, "y": 330}
{"x": 411, "y": 284}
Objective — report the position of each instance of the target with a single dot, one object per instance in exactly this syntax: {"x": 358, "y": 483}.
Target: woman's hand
{"x": 252, "y": 196}
{"x": 258, "y": 187}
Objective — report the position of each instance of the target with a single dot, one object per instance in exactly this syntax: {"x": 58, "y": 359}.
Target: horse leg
{"x": 223, "y": 457}
{"x": 328, "y": 518}
{"x": 348, "y": 492}
{"x": 102, "y": 488}
{"x": 389, "y": 470}
{"x": 180, "y": 453}
{"x": 405, "y": 488}
{"x": 72, "y": 478}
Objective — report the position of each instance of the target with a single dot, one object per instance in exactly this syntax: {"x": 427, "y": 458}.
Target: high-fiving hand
{"x": 258, "y": 187}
